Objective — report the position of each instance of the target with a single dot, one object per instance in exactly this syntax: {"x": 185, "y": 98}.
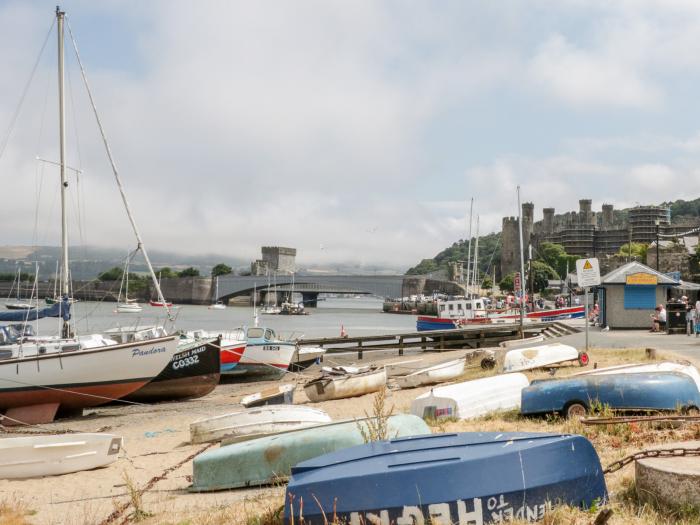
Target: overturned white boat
{"x": 37, "y": 456}
{"x": 641, "y": 368}
{"x": 471, "y": 398}
{"x": 433, "y": 374}
{"x": 541, "y": 356}
{"x": 255, "y": 423}
{"x": 338, "y": 385}
{"x": 402, "y": 368}
{"x": 281, "y": 395}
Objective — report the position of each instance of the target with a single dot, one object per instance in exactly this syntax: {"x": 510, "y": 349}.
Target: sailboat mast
{"x": 522, "y": 266}
{"x": 469, "y": 250}
{"x": 475, "y": 279}
{"x": 60, "y": 16}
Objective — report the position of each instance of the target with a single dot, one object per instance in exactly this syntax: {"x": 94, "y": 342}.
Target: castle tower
{"x": 548, "y": 220}
{"x": 510, "y": 254}
{"x": 585, "y": 213}
{"x": 608, "y": 217}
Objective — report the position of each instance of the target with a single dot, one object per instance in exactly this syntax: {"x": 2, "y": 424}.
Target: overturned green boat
{"x": 270, "y": 459}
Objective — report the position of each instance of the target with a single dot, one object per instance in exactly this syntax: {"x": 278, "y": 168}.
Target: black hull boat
{"x": 194, "y": 371}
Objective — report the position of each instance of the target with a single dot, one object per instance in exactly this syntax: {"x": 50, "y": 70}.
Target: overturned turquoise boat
{"x": 270, "y": 459}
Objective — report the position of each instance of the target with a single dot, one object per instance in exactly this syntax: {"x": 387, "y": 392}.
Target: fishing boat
{"x": 471, "y": 399}
{"x": 642, "y": 392}
{"x": 306, "y": 356}
{"x": 433, "y": 374}
{"x": 265, "y": 354}
{"x": 52, "y": 455}
{"x": 45, "y": 374}
{"x": 338, "y": 386}
{"x": 232, "y": 345}
{"x": 542, "y": 356}
{"x": 466, "y": 478}
{"x": 193, "y": 372}
{"x": 270, "y": 459}
{"x": 665, "y": 366}
{"x": 255, "y": 423}
{"x": 460, "y": 311}
{"x": 281, "y": 395}
{"x": 217, "y": 305}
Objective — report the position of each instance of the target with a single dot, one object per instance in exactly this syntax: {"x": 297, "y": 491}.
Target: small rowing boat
{"x": 465, "y": 478}
{"x": 542, "y": 356}
{"x": 433, "y": 374}
{"x": 37, "y": 456}
{"x": 402, "y": 368}
{"x": 270, "y": 459}
{"x": 255, "y": 423}
{"x": 281, "y": 395}
{"x": 342, "y": 385}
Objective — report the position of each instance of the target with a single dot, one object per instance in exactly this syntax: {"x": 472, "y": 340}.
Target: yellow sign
{"x": 641, "y": 278}
{"x": 587, "y": 265}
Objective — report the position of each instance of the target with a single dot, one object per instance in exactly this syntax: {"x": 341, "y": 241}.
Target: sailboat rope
{"x": 117, "y": 178}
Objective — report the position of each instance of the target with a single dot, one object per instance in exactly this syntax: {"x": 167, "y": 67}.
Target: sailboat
{"x": 18, "y": 304}
{"x": 218, "y": 305}
{"x": 156, "y": 302}
{"x": 127, "y": 306}
{"x": 270, "y": 309}
{"x": 41, "y": 376}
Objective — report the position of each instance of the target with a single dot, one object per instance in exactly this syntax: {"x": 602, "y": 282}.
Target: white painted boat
{"x": 329, "y": 387}
{"x": 129, "y": 308}
{"x": 433, "y": 374}
{"x": 471, "y": 399}
{"x": 542, "y": 356}
{"x": 515, "y": 343}
{"x": 641, "y": 368}
{"x": 37, "y": 456}
{"x": 345, "y": 370}
{"x": 306, "y": 356}
{"x": 255, "y": 423}
{"x": 403, "y": 368}
{"x": 281, "y": 395}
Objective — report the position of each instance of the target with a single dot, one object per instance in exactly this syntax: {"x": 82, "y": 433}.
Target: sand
{"x": 156, "y": 439}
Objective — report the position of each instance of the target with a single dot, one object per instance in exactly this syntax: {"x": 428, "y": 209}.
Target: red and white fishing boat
{"x": 460, "y": 311}
{"x": 162, "y": 304}
{"x": 233, "y": 345}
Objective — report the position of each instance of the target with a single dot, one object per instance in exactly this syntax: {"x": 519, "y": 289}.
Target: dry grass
{"x": 376, "y": 426}
{"x": 14, "y": 512}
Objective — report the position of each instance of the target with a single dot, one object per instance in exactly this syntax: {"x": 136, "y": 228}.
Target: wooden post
{"x": 359, "y": 350}
{"x": 442, "y": 343}
{"x": 400, "y": 345}
{"x": 422, "y": 340}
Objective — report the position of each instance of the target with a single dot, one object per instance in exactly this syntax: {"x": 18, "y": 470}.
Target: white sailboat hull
{"x": 434, "y": 374}
{"x": 83, "y": 378}
{"x": 37, "y": 456}
{"x": 255, "y": 422}
{"x": 129, "y": 308}
{"x": 338, "y": 387}
{"x": 472, "y": 398}
{"x": 520, "y": 359}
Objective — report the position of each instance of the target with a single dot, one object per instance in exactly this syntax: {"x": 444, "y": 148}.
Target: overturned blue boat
{"x": 649, "y": 391}
{"x": 466, "y": 478}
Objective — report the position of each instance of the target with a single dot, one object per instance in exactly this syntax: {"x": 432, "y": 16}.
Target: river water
{"x": 358, "y": 316}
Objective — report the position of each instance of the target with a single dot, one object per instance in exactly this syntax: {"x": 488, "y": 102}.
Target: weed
{"x": 376, "y": 426}
{"x": 135, "y": 498}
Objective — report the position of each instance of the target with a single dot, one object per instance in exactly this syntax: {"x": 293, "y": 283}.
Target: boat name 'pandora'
{"x": 137, "y": 352}
{"x": 499, "y": 511}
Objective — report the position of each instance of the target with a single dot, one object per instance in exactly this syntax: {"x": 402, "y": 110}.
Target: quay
{"x": 471, "y": 337}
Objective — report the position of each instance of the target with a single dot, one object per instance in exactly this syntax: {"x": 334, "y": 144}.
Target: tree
{"x": 113, "y": 274}
{"x": 165, "y": 273}
{"x": 221, "y": 269}
{"x": 556, "y": 257}
{"x": 541, "y": 274}
{"x": 506, "y": 284}
{"x": 189, "y": 272}
{"x": 487, "y": 283}
{"x": 425, "y": 266}
{"x": 637, "y": 251}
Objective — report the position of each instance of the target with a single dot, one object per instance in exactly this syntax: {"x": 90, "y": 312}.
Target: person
{"x": 660, "y": 324}
{"x": 577, "y": 301}
{"x": 594, "y": 314}
{"x": 690, "y": 320}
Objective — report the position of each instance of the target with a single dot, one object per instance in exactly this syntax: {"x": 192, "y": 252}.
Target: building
{"x": 276, "y": 259}
{"x": 628, "y": 295}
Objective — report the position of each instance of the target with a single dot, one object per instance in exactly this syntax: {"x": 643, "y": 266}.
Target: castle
{"x": 587, "y": 233}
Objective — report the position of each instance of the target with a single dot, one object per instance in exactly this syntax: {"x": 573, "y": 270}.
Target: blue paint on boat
{"x": 644, "y": 391}
{"x": 466, "y": 478}
{"x": 434, "y": 323}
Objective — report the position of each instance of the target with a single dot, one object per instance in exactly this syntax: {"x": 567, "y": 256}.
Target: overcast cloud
{"x": 354, "y": 131}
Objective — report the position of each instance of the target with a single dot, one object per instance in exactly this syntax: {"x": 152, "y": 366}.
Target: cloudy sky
{"x": 354, "y": 131}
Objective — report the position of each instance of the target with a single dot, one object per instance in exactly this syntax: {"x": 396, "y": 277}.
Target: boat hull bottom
{"x": 30, "y": 415}
{"x": 182, "y": 388}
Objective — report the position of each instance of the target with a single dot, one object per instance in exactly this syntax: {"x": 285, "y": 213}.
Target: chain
{"x": 655, "y": 453}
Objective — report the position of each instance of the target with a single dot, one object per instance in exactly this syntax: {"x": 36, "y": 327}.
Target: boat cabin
{"x": 461, "y": 308}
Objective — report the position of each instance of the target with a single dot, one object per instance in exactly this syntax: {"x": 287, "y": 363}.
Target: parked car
{"x": 573, "y": 397}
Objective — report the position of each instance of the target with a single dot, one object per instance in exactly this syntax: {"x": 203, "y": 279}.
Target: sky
{"x": 356, "y": 132}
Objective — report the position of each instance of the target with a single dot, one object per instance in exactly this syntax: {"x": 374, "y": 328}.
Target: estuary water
{"x": 358, "y": 316}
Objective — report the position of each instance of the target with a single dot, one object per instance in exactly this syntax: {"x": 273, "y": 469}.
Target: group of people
{"x": 692, "y": 317}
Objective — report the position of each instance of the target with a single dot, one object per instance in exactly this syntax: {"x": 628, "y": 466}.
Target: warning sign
{"x": 588, "y": 272}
